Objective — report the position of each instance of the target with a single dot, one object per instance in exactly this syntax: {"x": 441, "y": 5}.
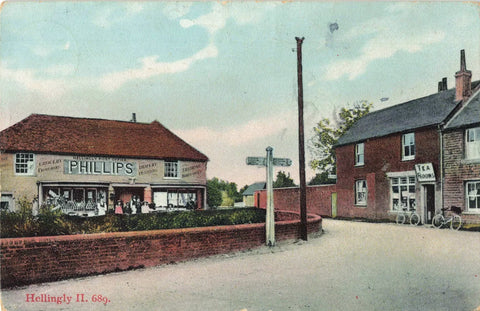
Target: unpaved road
{"x": 352, "y": 266}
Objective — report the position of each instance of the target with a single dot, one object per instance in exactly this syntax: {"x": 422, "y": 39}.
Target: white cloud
{"x": 150, "y": 66}
{"x": 384, "y": 37}
{"x": 245, "y": 134}
{"x": 174, "y": 10}
{"x": 47, "y": 88}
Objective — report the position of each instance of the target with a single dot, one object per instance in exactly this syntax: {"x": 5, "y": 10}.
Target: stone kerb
{"x": 43, "y": 259}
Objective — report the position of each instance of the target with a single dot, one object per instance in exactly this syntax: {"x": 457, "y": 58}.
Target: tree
{"x": 283, "y": 181}
{"x": 321, "y": 179}
{"x": 327, "y": 133}
{"x": 214, "y": 193}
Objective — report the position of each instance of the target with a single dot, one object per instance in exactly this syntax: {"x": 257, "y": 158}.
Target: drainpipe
{"x": 440, "y": 134}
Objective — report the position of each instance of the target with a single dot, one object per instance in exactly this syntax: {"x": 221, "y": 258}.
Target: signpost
{"x": 269, "y": 161}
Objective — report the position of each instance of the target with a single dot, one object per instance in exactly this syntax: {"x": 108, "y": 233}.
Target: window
{"x": 408, "y": 146}
{"x": 24, "y": 163}
{"x": 6, "y": 202}
{"x": 359, "y": 154}
{"x": 403, "y": 193}
{"x": 171, "y": 169}
{"x": 473, "y": 196}
{"x": 361, "y": 192}
{"x": 472, "y": 145}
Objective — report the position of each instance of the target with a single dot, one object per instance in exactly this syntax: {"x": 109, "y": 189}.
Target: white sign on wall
{"x": 425, "y": 172}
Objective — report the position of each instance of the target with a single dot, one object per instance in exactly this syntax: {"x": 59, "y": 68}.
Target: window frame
{"x": 411, "y": 147}
{"x": 405, "y": 182}
{"x": 364, "y": 187}
{"x": 358, "y": 154}
{"x": 30, "y": 170}
{"x": 474, "y": 142}
{"x": 469, "y": 209}
{"x": 166, "y": 170}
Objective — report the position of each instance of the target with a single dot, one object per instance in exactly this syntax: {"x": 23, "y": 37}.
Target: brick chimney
{"x": 463, "y": 80}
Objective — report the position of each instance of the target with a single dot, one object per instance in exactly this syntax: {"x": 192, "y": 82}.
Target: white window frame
{"x": 360, "y": 154}
{"x": 470, "y": 193}
{"x": 406, "y": 187}
{"x": 24, "y": 161}
{"x": 171, "y": 173}
{"x": 361, "y": 188}
{"x": 472, "y": 143}
{"x": 410, "y": 155}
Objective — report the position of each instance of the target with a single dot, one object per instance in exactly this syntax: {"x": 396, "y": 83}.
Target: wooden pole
{"x": 270, "y": 217}
{"x": 301, "y": 144}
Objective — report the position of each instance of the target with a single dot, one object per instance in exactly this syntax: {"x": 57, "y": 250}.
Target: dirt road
{"x": 352, "y": 266}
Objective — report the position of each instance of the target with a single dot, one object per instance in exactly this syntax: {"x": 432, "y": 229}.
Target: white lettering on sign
{"x": 257, "y": 161}
{"x": 81, "y": 167}
{"x": 425, "y": 172}
{"x": 282, "y": 162}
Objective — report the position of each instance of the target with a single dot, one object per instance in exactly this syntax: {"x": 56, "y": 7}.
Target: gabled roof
{"x": 96, "y": 137}
{"x": 468, "y": 115}
{"x": 254, "y": 187}
{"x": 422, "y": 112}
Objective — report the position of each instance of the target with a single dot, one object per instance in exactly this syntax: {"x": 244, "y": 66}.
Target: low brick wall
{"x": 319, "y": 199}
{"x": 43, "y": 259}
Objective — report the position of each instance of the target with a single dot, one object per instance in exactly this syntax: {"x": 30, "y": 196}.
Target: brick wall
{"x": 319, "y": 199}
{"x": 42, "y": 259}
{"x": 382, "y": 155}
{"x": 457, "y": 171}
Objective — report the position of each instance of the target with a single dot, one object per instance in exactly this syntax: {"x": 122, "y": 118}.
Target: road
{"x": 352, "y": 266}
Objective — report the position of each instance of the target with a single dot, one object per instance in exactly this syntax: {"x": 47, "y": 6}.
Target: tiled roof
{"x": 96, "y": 137}
{"x": 469, "y": 115}
{"x": 422, "y": 112}
{"x": 254, "y": 187}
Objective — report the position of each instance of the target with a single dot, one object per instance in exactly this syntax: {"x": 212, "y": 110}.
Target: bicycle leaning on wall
{"x": 402, "y": 217}
{"x": 454, "y": 219}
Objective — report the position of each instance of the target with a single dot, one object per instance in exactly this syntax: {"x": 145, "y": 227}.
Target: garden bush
{"x": 48, "y": 222}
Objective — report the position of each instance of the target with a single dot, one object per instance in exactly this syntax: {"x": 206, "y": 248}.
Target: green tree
{"x": 321, "y": 179}
{"x": 327, "y": 133}
{"x": 283, "y": 180}
{"x": 214, "y": 192}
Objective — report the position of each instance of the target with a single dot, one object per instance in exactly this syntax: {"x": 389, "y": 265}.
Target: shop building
{"x": 96, "y": 164}
{"x": 391, "y": 159}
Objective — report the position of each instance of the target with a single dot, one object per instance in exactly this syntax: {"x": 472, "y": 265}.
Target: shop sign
{"x": 425, "y": 172}
{"x": 107, "y": 167}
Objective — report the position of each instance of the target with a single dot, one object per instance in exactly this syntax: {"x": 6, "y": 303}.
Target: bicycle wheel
{"x": 438, "y": 221}
{"x": 456, "y": 222}
{"x": 400, "y": 218}
{"x": 414, "y": 219}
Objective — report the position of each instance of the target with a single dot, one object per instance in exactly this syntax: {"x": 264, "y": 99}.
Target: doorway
{"x": 429, "y": 202}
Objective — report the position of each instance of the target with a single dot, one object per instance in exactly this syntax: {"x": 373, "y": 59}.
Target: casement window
{"x": 361, "y": 192}
{"x": 473, "y": 196}
{"x": 403, "y": 193}
{"x": 408, "y": 146}
{"x": 171, "y": 169}
{"x": 359, "y": 154}
{"x": 24, "y": 164}
{"x": 472, "y": 144}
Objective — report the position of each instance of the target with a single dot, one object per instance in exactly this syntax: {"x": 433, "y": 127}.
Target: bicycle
{"x": 454, "y": 219}
{"x": 402, "y": 217}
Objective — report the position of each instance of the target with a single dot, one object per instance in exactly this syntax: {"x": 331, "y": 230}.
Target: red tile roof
{"x": 96, "y": 137}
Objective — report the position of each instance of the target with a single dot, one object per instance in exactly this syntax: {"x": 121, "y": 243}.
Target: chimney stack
{"x": 442, "y": 85}
{"x": 134, "y": 118}
{"x": 463, "y": 79}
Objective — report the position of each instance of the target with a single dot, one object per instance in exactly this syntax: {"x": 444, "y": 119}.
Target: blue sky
{"x": 222, "y": 75}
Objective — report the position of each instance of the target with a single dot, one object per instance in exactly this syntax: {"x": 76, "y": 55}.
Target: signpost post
{"x": 269, "y": 161}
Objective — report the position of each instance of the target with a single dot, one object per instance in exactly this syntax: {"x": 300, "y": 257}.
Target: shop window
{"x": 361, "y": 192}
{"x": 473, "y": 196}
{"x": 472, "y": 144}
{"x": 24, "y": 164}
{"x": 359, "y": 154}
{"x": 408, "y": 146}
{"x": 403, "y": 193}
{"x": 171, "y": 169}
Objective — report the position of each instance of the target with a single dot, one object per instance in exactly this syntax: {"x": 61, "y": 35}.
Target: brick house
{"x": 461, "y": 140}
{"x": 93, "y": 163}
{"x": 391, "y": 159}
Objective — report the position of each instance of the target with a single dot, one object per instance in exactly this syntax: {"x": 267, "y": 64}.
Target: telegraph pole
{"x": 301, "y": 144}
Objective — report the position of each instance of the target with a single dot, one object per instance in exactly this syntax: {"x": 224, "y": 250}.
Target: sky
{"x": 223, "y": 75}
